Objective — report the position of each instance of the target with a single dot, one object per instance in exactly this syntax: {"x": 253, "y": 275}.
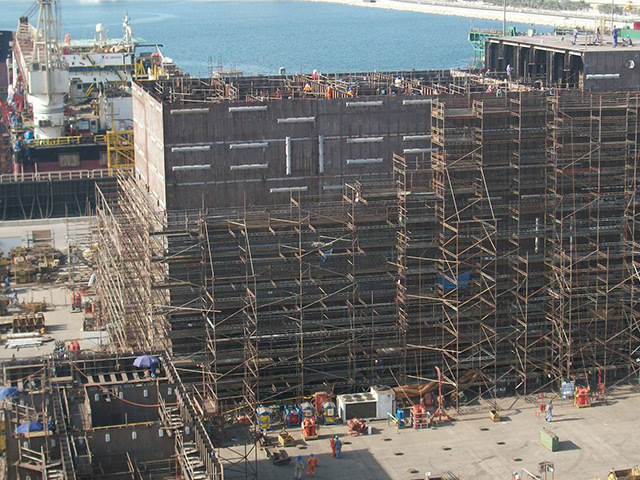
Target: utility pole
{"x": 504, "y": 17}
{"x": 612, "y": 7}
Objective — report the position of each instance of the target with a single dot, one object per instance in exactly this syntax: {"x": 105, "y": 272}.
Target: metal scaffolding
{"x": 505, "y": 254}
{"x": 467, "y": 267}
{"x": 527, "y": 238}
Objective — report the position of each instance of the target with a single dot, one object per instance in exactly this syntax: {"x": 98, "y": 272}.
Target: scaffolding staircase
{"x": 170, "y": 416}
{"x": 194, "y": 451}
{"x": 37, "y": 462}
{"x": 61, "y": 424}
{"x": 192, "y": 465}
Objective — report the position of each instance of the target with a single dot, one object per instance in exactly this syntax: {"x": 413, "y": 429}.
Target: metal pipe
{"x": 192, "y": 148}
{"x": 288, "y": 189}
{"x": 375, "y": 103}
{"x": 185, "y": 111}
{"x": 602, "y": 76}
{"x": 249, "y": 166}
{"x": 417, "y": 101}
{"x": 237, "y": 146}
{"x": 417, "y": 150}
{"x": 365, "y": 140}
{"x": 408, "y": 138}
{"x": 253, "y": 108}
{"x": 287, "y": 152}
{"x": 320, "y": 153}
{"x": 364, "y": 161}
{"x": 297, "y": 120}
{"x": 177, "y": 168}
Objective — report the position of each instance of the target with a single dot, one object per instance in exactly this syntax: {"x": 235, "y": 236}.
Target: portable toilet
{"x": 292, "y": 415}
{"x": 329, "y": 413}
{"x": 307, "y": 410}
{"x": 265, "y": 419}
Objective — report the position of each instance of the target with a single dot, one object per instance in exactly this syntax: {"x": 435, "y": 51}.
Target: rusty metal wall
{"x": 625, "y": 63}
{"x": 223, "y": 154}
{"x": 148, "y": 143}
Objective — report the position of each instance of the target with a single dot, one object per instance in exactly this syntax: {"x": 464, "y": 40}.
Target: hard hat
{"x": 311, "y": 455}
{"x": 299, "y": 459}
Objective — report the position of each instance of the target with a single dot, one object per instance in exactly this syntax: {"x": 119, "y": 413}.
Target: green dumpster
{"x": 549, "y": 440}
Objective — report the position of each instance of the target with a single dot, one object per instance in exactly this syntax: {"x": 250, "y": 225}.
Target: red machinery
{"x": 319, "y": 399}
{"x": 76, "y": 301}
{"x": 419, "y": 416}
{"x": 309, "y": 429}
{"x": 581, "y": 397}
{"x": 356, "y": 426}
{"x": 440, "y": 413}
{"x": 74, "y": 346}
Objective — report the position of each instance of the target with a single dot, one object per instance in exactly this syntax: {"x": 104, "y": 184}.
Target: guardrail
{"x": 63, "y": 141}
{"x": 57, "y": 175}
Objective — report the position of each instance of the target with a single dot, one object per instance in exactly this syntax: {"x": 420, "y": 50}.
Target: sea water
{"x": 262, "y": 36}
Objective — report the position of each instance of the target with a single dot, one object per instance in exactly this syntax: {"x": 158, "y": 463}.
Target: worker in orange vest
{"x": 332, "y": 442}
{"x": 313, "y": 461}
{"x": 329, "y": 93}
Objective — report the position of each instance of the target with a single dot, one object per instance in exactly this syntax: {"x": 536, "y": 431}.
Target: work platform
{"x": 554, "y": 61}
{"x": 591, "y": 442}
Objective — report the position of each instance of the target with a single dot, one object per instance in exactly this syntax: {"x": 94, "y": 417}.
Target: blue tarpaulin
{"x": 27, "y": 427}
{"x": 325, "y": 255}
{"x": 8, "y": 392}
{"x": 451, "y": 283}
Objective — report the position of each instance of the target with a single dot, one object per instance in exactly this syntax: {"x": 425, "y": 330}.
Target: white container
{"x": 385, "y": 399}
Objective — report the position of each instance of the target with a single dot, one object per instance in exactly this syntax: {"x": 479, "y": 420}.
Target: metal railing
{"x": 56, "y": 176}
{"x": 62, "y": 141}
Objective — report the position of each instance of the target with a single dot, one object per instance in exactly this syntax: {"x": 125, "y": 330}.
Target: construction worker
{"x": 299, "y": 469}
{"x": 332, "y": 442}
{"x": 329, "y": 93}
{"x": 313, "y": 461}
{"x": 549, "y": 411}
{"x": 338, "y": 444}
{"x": 308, "y": 88}
{"x": 575, "y": 36}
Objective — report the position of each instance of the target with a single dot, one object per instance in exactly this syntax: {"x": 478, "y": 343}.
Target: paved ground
{"x": 592, "y": 440}
{"x": 61, "y": 323}
{"x": 15, "y": 233}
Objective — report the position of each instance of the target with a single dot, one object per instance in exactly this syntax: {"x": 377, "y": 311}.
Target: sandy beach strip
{"x": 583, "y": 19}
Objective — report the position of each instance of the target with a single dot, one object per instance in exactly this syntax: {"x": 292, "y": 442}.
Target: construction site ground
{"x": 60, "y": 322}
{"x": 592, "y": 440}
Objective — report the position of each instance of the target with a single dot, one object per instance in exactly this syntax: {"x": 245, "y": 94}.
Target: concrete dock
{"x": 592, "y": 440}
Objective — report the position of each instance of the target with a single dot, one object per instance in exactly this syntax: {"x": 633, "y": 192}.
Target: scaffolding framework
{"x": 467, "y": 266}
{"x": 505, "y": 254}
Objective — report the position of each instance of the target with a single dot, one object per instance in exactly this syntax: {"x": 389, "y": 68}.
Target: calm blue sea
{"x": 261, "y": 36}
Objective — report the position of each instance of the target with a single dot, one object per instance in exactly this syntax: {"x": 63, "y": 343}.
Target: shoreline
{"x": 583, "y": 19}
